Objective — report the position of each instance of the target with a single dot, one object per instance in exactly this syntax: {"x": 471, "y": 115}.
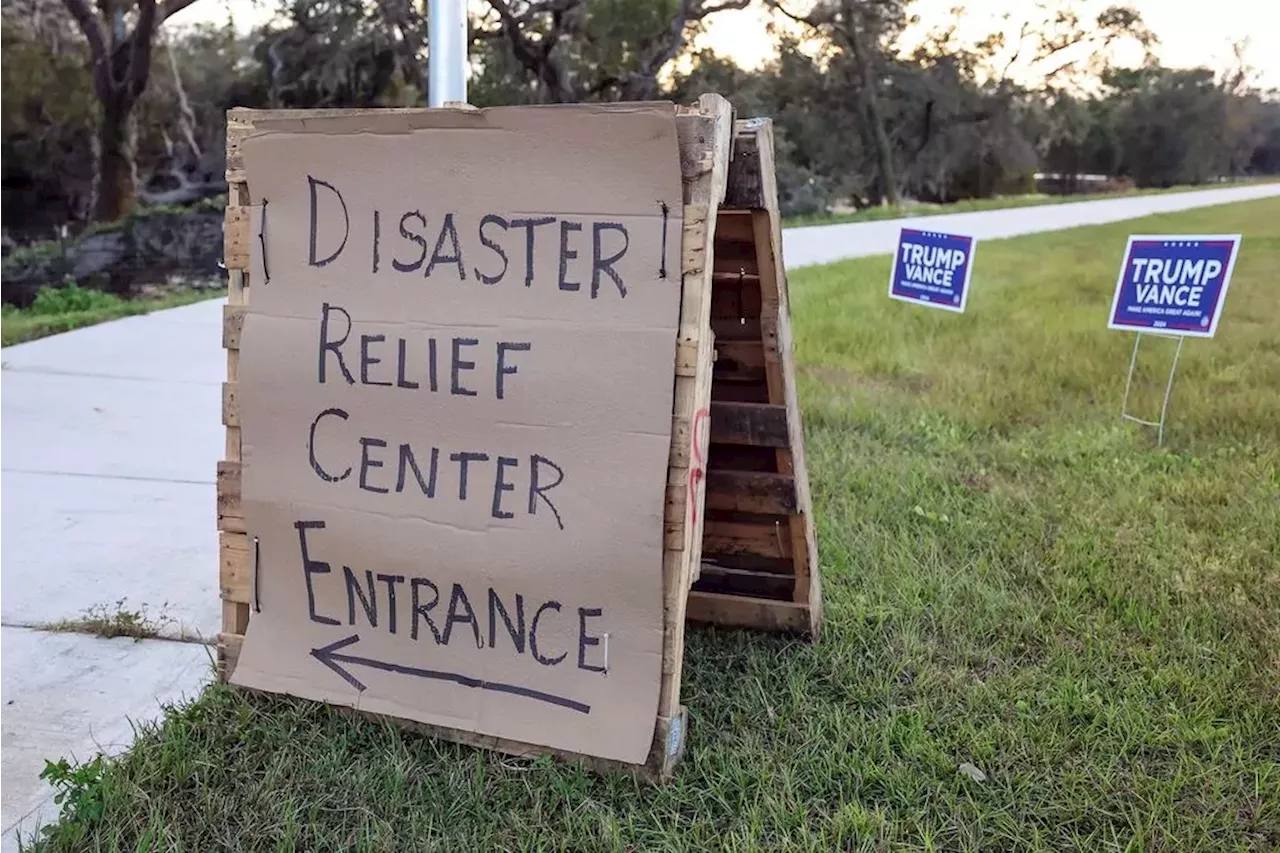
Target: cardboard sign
{"x": 1174, "y": 285}
{"x": 456, "y": 391}
{"x": 932, "y": 269}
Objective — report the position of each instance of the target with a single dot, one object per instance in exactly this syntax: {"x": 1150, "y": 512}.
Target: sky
{"x": 1191, "y": 32}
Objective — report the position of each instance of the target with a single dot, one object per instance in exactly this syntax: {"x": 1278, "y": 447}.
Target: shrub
{"x": 70, "y": 298}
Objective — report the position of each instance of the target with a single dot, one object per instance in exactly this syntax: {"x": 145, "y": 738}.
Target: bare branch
{"x": 728, "y": 5}
{"x": 171, "y": 8}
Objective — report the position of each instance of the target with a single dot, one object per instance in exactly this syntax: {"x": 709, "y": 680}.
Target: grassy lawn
{"x": 873, "y": 214}
{"x": 61, "y": 311}
{"x": 1042, "y": 632}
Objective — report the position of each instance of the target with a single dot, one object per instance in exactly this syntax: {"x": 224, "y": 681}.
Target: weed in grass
{"x": 1019, "y": 590}
{"x": 78, "y": 791}
{"x": 117, "y": 620}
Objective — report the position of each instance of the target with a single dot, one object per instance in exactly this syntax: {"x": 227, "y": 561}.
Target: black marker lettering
{"x": 377, "y": 234}
{"x": 311, "y": 447}
{"x": 447, "y": 230}
{"x": 605, "y": 265}
{"x": 505, "y": 369}
{"x": 516, "y": 631}
{"x": 459, "y": 597}
{"x": 533, "y": 636}
{"x": 500, "y": 485}
{"x": 529, "y": 225}
{"x": 431, "y": 362}
{"x": 366, "y": 360}
{"x": 366, "y": 463}
{"x": 401, "y": 382}
{"x": 493, "y": 219}
{"x": 423, "y": 610}
{"x": 407, "y": 461}
{"x": 462, "y": 459}
{"x": 369, "y": 604}
{"x": 567, "y": 254}
{"x": 584, "y": 640}
{"x": 416, "y": 238}
{"x": 391, "y": 581}
{"x": 312, "y": 567}
{"x": 459, "y": 365}
{"x": 326, "y": 344}
{"x": 536, "y": 491}
{"x": 312, "y": 183}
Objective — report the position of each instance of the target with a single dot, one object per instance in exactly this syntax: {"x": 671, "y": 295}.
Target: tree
{"x": 603, "y": 50}
{"x": 120, "y": 61}
{"x": 47, "y": 119}
{"x": 863, "y": 30}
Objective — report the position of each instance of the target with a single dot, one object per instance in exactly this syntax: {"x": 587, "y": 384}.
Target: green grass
{"x": 1014, "y": 580}
{"x": 56, "y": 311}
{"x": 875, "y": 214}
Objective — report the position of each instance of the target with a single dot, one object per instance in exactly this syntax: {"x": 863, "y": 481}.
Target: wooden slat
{"x": 235, "y": 239}
{"x": 734, "y": 226}
{"x": 229, "y": 646}
{"x": 743, "y": 491}
{"x": 754, "y": 424}
{"x": 735, "y": 611}
{"x": 235, "y": 579}
{"x": 232, "y": 325}
{"x": 718, "y": 579}
{"x": 231, "y": 404}
{"x": 230, "y": 516}
{"x": 235, "y": 617}
{"x": 766, "y": 538}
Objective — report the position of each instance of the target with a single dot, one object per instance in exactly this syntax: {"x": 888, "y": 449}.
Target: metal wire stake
{"x": 1168, "y": 390}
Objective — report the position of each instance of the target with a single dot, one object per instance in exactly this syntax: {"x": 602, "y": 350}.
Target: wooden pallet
{"x": 705, "y": 138}
{"x": 759, "y": 564}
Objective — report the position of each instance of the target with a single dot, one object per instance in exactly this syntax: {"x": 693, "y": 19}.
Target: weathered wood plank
{"x": 749, "y": 491}
{"x": 766, "y": 538}
{"x": 755, "y": 424}
{"x": 730, "y": 581}
{"x": 231, "y": 404}
{"x": 236, "y": 574}
{"x": 232, "y": 325}
{"x": 735, "y": 611}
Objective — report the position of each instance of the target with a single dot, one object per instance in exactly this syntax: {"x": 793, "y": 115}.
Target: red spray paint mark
{"x": 696, "y": 472}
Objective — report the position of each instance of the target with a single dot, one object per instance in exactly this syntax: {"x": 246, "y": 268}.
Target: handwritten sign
{"x": 932, "y": 269}
{"x": 456, "y": 390}
{"x": 1174, "y": 284}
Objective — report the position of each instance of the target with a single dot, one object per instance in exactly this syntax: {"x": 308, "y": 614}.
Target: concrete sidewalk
{"x": 110, "y": 440}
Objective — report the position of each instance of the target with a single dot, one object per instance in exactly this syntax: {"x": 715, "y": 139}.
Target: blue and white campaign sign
{"x": 932, "y": 269}
{"x": 1174, "y": 285}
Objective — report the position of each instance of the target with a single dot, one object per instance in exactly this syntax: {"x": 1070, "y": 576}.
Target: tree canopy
{"x": 107, "y": 106}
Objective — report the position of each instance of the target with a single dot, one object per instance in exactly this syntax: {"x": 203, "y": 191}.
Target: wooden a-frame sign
{"x": 737, "y": 539}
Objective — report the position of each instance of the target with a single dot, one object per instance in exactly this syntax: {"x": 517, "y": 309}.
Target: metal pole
{"x": 447, "y": 47}
{"x": 1168, "y": 389}
{"x": 1128, "y": 383}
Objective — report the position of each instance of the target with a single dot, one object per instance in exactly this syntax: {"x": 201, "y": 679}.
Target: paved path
{"x": 820, "y": 244}
{"x": 110, "y": 440}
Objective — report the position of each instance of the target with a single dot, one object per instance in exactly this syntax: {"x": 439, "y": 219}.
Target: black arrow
{"x": 328, "y": 655}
